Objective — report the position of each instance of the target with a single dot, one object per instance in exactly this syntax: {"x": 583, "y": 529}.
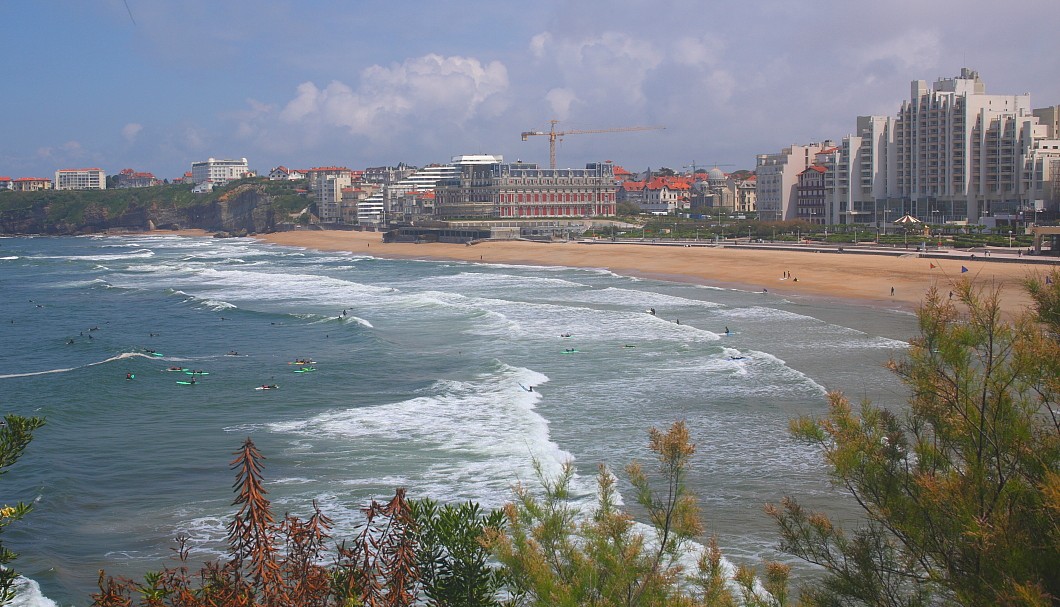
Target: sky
{"x": 155, "y": 85}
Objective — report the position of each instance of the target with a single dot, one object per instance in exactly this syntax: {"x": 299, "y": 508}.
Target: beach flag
{"x": 963, "y": 269}
{"x": 931, "y": 264}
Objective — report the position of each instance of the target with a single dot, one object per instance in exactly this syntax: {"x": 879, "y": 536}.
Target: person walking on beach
{"x": 892, "y": 291}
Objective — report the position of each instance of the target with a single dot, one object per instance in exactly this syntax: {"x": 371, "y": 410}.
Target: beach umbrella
{"x": 906, "y": 220}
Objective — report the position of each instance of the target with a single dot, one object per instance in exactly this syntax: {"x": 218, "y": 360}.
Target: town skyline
{"x": 154, "y": 88}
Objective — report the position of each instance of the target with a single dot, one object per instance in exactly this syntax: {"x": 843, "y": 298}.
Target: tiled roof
{"x": 328, "y": 169}
{"x": 25, "y": 179}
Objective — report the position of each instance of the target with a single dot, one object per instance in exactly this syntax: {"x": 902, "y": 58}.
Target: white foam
{"x": 121, "y": 356}
{"x": 28, "y": 594}
{"x": 460, "y": 440}
{"x": 137, "y": 254}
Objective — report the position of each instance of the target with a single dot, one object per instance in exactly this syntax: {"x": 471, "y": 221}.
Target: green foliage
{"x": 454, "y": 564}
{"x": 961, "y": 491}
{"x": 558, "y": 555}
{"x": 16, "y": 432}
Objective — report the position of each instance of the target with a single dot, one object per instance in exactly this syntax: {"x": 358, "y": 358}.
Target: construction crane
{"x": 554, "y": 135}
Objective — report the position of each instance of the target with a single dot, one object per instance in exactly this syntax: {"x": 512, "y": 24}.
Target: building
{"x": 282, "y": 173}
{"x": 953, "y": 154}
{"x": 219, "y": 171}
{"x": 746, "y": 193}
{"x": 666, "y": 195}
{"x": 387, "y": 175}
{"x": 31, "y": 184}
{"x": 80, "y": 179}
{"x": 389, "y": 201}
{"x": 326, "y": 185}
{"x": 128, "y": 178}
{"x": 6, "y": 184}
{"x": 777, "y": 176}
{"x": 810, "y": 196}
{"x": 524, "y": 190}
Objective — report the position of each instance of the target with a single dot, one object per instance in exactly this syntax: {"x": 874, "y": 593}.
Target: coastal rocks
{"x": 247, "y": 209}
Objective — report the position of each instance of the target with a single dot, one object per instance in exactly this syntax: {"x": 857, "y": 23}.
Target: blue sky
{"x": 366, "y": 83}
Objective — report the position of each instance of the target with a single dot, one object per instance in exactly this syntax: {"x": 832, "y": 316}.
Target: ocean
{"x": 422, "y": 379}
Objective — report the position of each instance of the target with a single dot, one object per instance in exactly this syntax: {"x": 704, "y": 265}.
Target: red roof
{"x": 5, "y": 179}
{"x": 818, "y": 168}
{"x": 24, "y": 179}
{"x": 322, "y": 169}
{"x": 672, "y": 183}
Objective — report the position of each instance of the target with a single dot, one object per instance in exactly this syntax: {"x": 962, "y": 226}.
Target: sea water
{"x": 423, "y": 380}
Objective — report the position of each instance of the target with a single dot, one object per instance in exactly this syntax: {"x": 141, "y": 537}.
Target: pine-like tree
{"x": 960, "y": 491}
{"x": 16, "y": 432}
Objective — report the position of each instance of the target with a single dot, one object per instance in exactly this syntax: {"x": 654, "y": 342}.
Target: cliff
{"x": 248, "y": 206}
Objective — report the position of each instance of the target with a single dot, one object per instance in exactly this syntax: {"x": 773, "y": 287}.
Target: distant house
{"x": 220, "y": 170}
{"x": 6, "y": 184}
{"x": 282, "y": 173}
{"x": 631, "y": 192}
{"x": 32, "y": 184}
{"x": 810, "y": 195}
{"x": 185, "y": 178}
{"x": 665, "y": 195}
{"x": 129, "y": 178}
{"x": 80, "y": 179}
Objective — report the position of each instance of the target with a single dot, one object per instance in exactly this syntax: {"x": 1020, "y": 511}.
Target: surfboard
{"x": 186, "y": 372}
{"x": 305, "y": 370}
{"x": 187, "y": 383}
{"x": 267, "y": 387}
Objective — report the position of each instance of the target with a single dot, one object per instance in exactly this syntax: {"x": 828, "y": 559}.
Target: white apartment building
{"x": 952, "y": 154}
{"x": 328, "y": 193}
{"x": 80, "y": 179}
{"x": 778, "y": 177}
{"x": 219, "y": 171}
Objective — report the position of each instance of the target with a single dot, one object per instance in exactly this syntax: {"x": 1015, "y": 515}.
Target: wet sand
{"x": 857, "y": 278}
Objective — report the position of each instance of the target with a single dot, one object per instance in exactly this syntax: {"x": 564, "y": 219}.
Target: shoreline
{"x": 854, "y": 279}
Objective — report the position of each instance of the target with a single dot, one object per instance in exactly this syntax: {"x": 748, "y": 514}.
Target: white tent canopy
{"x": 907, "y": 220}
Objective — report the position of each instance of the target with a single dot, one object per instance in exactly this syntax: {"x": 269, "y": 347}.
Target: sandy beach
{"x": 866, "y": 279}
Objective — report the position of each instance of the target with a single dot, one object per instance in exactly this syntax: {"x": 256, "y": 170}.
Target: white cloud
{"x": 610, "y": 67}
{"x": 561, "y": 100}
{"x": 909, "y": 52}
{"x": 131, "y": 130}
{"x": 696, "y": 51}
{"x": 418, "y": 91}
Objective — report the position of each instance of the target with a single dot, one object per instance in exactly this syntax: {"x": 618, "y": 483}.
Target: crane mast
{"x": 554, "y": 135}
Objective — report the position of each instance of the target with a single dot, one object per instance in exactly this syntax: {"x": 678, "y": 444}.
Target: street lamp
{"x": 1010, "y": 239}
{"x": 748, "y": 234}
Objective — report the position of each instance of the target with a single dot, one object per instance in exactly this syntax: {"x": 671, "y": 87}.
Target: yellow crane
{"x": 554, "y": 135}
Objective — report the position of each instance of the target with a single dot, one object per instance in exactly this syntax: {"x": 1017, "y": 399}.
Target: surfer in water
{"x": 726, "y": 330}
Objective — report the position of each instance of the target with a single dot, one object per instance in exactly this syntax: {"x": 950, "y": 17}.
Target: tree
{"x": 558, "y": 555}
{"x": 626, "y": 207}
{"x": 257, "y": 572}
{"x": 961, "y": 493}
{"x": 16, "y": 432}
{"x": 454, "y": 565}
